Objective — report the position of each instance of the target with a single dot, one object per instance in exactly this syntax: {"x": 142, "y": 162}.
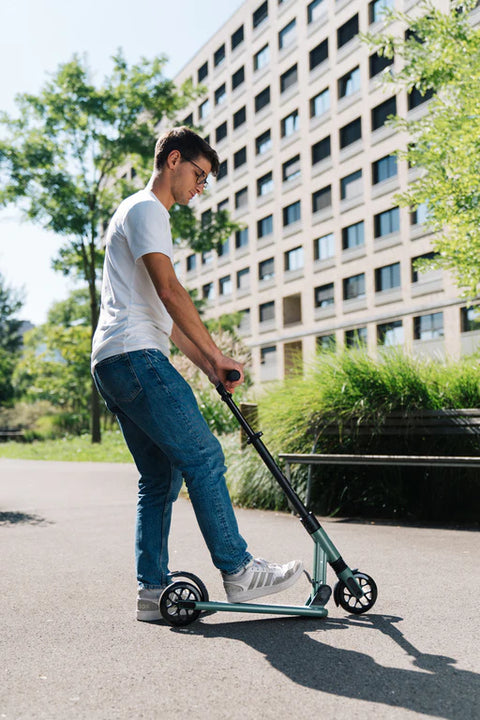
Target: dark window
{"x": 266, "y": 269}
{"x": 206, "y": 218}
{"x": 188, "y": 120}
{"x": 260, "y": 14}
{"x": 289, "y": 124}
{"x": 291, "y": 213}
{"x": 224, "y": 249}
{"x": 222, "y": 170}
{"x": 291, "y": 169}
{"x": 347, "y": 31}
{"x": 391, "y": 333}
{"x": 353, "y": 235}
{"x": 470, "y": 319}
{"x": 428, "y": 327}
{"x": 293, "y": 259}
{"x": 266, "y": 311}
{"x": 238, "y": 77}
{"x": 262, "y": 99}
{"x": 241, "y": 238}
{"x": 387, "y": 222}
{"x": 263, "y": 142}
{"x": 286, "y": 36}
{"x": 377, "y": 63}
{"x": 239, "y": 117}
{"x": 376, "y": 9}
{"x": 417, "y": 274}
{"x": 319, "y": 54}
{"x": 220, "y": 94}
{"x": 350, "y": 133}
{"x": 382, "y": 112}
{"x": 320, "y": 103}
{"x": 265, "y": 184}
{"x": 265, "y": 226}
{"x": 221, "y": 132}
{"x": 241, "y": 198}
{"x": 219, "y": 55}
{"x": 261, "y": 58}
{"x": 225, "y": 285}
{"x": 384, "y": 168}
{"x": 203, "y": 71}
{"x": 324, "y": 295}
{"x": 243, "y": 279}
{"x": 289, "y": 78}
{"x": 237, "y": 37}
{"x": 268, "y": 355}
{"x": 349, "y": 83}
{"x": 324, "y": 247}
{"x": 208, "y": 291}
{"x": 351, "y": 185}
{"x": 356, "y": 338}
{"x": 419, "y": 215}
{"x": 240, "y": 157}
{"x": 321, "y": 150}
{"x": 387, "y": 277}
{"x": 322, "y": 199}
{"x": 313, "y": 11}
{"x": 415, "y": 97}
{"x": 326, "y": 343}
{"x": 191, "y": 262}
{"x": 354, "y": 287}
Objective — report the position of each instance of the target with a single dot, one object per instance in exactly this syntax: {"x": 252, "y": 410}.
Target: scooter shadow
{"x": 433, "y": 686}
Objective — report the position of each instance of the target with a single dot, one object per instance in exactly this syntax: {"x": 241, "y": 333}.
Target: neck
{"x": 160, "y": 187}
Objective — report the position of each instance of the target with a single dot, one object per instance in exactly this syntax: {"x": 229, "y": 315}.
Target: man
{"x": 143, "y": 304}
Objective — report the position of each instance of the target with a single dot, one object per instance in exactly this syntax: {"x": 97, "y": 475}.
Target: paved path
{"x": 70, "y": 647}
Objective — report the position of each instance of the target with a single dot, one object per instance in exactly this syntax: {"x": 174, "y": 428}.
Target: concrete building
{"x": 297, "y": 113}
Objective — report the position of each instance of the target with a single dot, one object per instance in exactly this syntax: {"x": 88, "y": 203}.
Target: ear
{"x": 174, "y": 158}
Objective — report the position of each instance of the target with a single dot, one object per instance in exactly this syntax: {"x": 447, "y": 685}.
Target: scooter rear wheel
{"x": 347, "y": 600}
{"x": 170, "y": 608}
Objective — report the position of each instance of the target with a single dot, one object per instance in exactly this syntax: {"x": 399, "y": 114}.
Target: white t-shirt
{"x": 132, "y": 316}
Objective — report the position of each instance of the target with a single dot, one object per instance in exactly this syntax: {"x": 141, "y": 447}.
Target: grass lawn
{"x": 70, "y": 448}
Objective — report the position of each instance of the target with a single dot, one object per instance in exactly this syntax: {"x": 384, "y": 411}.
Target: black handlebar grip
{"x": 233, "y": 375}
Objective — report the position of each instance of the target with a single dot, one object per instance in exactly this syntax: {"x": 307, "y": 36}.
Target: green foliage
{"x": 71, "y": 448}
{"x": 442, "y": 55}
{"x": 10, "y": 339}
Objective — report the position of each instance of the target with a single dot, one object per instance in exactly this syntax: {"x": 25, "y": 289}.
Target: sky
{"x": 36, "y": 38}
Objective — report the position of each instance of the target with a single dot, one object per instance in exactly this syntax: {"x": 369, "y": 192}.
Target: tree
{"x": 440, "y": 55}
{"x": 69, "y": 156}
{"x": 10, "y": 338}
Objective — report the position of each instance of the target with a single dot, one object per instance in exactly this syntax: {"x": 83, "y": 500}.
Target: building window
{"x": 265, "y": 184}
{"x": 324, "y": 247}
{"x": 237, "y": 37}
{"x": 262, "y": 99}
{"x": 390, "y": 334}
{"x": 225, "y": 285}
{"x": 322, "y": 199}
{"x": 243, "y": 279}
{"x": 416, "y": 98}
{"x": 266, "y": 269}
{"x": 244, "y": 324}
{"x": 241, "y": 238}
{"x": 470, "y": 319}
{"x": 377, "y": 8}
{"x": 241, "y": 198}
{"x": 323, "y": 295}
{"x": 206, "y": 218}
{"x": 221, "y": 132}
{"x": 326, "y": 343}
{"x": 320, "y": 104}
{"x": 219, "y": 55}
{"x": 353, "y": 236}
{"x": 387, "y": 277}
{"x": 351, "y": 132}
{"x": 238, "y": 77}
{"x": 220, "y": 94}
{"x": 268, "y": 356}
{"x": 191, "y": 263}
{"x": 265, "y": 226}
{"x": 384, "y": 168}
{"x": 222, "y": 170}
{"x": 351, "y": 186}
{"x": 289, "y": 78}
{"x": 347, "y": 31}
{"x": 387, "y": 222}
{"x": 239, "y": 117}
{"x": 266, "y": 311}
{"x": 428, "y": 327}
{"x": 318, "y": 55}
{"x": 188, "y": 120}
{"x": 321, "y": 150}
{"x": 419, "y": 215}
{"x": 224, "y": 248}
{"x": 356, "y": 338}
{"x": 202, "y": 72}
{"x": 382, "y": 112}
{"x": 263, "y": 143}
{"x": 313, "y": 11}
{"x": 349, "y": 83}
{"x": 208, "y": 291}
{"x": 261, "y": 58}
{"x": 260, "y": 14}
{"x": 287, "y": 35}
{"x": 240, "y": 158}
{"x": 291, "y": 214}
{"x": 204, "y": 110}
{"x": 418, "y": 275}
{"x": 291, "y": 169}
{"x": 290, "y": 124}
{"x": 294, "y": 259}
{"x": 354, "y": 287}
{"x": 377, "y": 63}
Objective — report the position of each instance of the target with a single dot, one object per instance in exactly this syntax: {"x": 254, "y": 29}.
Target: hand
{"x": 220, "y": 372}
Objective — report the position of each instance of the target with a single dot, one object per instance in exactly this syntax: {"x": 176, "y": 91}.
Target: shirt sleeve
{"x": 147, "y": 230}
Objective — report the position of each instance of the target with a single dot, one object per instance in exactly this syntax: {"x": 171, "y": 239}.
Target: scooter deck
{"x": 211, "y": 607}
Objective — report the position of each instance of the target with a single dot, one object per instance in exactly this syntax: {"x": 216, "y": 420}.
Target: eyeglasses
{"x": 202, "y": 178}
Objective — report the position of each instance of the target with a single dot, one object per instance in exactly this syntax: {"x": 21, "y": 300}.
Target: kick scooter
{"x": 186, "y": 598}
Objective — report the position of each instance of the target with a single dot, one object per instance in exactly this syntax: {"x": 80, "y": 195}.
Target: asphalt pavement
{"x": 70, "y": 646}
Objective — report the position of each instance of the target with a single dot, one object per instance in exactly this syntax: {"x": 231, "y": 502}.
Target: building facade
{"x": 296, "y": 110}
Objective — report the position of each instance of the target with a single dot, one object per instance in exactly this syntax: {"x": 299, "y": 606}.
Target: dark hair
{"x": 188, "y": 143}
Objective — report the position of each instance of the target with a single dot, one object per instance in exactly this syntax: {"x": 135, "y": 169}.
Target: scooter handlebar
{"x": 232, "y": 375}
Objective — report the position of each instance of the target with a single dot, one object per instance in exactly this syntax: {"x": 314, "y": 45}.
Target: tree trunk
{"x": 96, "y": 431}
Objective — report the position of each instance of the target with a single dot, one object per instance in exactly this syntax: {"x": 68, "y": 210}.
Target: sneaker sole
{"x": 149, "y": 615}
{"x": 270, "y": 590}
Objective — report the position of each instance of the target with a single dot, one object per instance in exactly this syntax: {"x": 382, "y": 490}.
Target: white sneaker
{"x": 259, "y": 578}
{"x": 148, "y": 604}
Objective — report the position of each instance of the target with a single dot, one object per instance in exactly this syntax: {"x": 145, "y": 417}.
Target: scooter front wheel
{"x": 345, "y": 598}
{"x": 170, "y": 607}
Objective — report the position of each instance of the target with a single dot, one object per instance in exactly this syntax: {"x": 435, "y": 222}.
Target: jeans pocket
{"x": 117, "y": 379}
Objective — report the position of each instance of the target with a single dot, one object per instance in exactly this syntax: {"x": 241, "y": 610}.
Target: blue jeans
{"x": 169, "y": 440}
